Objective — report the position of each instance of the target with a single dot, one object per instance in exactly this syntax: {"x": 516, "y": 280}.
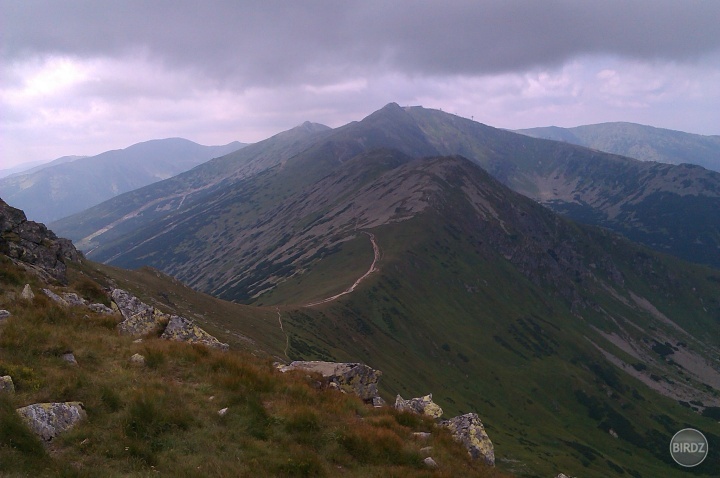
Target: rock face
{"x": 48, "y": 420}
{"x": 33, "y": 245}
{"x": 6, "y": 384}
{"x": 184, "y": 330}
{"x": 469, "y": 430}
{"x": 354, "y": 378}
{"x": 420, "y": 405}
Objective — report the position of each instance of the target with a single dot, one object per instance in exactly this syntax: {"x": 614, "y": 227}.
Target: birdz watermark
{"x": 688, "y": 447}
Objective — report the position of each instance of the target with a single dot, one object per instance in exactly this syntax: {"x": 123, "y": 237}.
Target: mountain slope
{"x": 638, "y": 141}
{"x": 54, "y": 191}
{"x": 560, "y": 336}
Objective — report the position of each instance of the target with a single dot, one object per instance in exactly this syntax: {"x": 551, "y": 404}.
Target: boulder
{"x": 27, "y": 293}
{"x": 54, "y": 297}
{"x": 101, "y": 309}
{"x": 430, "y": 463}
{"x": 4, "y": 314}
{"x": 137, "y": 359}
{"x": 48, "y": 420}
{"x": 69, "y": 357}
{"x": 355, "y": 378}
{"x": 185, "y": 330}
{"x": 140, "y": 318}
{"x": 74, "y": 299}
{"x": 420, "y": 405}
{"x": 469, "y": 430}
{"x": 6, "y": 384}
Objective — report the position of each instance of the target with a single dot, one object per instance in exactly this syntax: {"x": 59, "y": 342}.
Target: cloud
{"x": 84, "y": 76}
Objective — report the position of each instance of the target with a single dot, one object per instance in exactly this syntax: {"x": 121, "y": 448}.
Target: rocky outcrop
{"x": 6, "y": 384}
{"x": 354, "y": 378}
{"x": 420, "y": 405}
{"x": 143, "y": 319}
{"x": 140, "y": 318}
{"x": 185, "y": 330}
{"x": 33, "y": 245}
{"x": 72, "y": 299}
{"x": 48, "y": 420}
{"x": 469, "y": 430}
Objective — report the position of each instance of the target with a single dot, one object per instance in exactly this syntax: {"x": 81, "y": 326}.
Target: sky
{"x": 86, "y": 76}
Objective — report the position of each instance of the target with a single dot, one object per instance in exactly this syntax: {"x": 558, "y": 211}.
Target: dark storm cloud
{"x": 264, "y": 43}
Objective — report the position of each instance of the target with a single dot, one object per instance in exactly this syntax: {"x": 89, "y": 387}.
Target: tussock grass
{"x": 162, "y": 418}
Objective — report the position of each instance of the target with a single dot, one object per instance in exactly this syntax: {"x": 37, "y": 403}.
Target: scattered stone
{"x": 4, "y": 314}
{"x": 222, "y": 411}
{"x": 48, "y": 420}
{"x": 563, "y": 475}
{"x": 27, "y": 293}
{"x": 426, "y": 450}
{"x": 185, "y": 330}
{"x": 137, "y": 341}
{"x": 54, "y": 297}
{"x": 469, "y": 430}
{"x": 69, "y": 358}
{"x": 613, "y": 433}
{"x": 420, "y": 405}
{"x": 101, "y": 309}
{"x": 6, "y": 384}
{"x": 378, "y": 402}
{"x": 430, "y": 463}
{"x": 422, "y": 435}
{"x": 137, "y": 359}
{"x": 73, "y": 299}
{"x": 354, "y": 378}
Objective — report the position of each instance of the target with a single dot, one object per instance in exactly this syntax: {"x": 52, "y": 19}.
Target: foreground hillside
{"x": 183, "y": 410}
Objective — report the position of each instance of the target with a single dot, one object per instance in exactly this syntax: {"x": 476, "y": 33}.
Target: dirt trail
{"x": 376, "y": 251}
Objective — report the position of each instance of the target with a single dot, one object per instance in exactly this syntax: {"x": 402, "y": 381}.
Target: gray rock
{"x": 469, "y": 430}
{"x": 48, "y": 420}
{"x": 137, "y": 359}
{"x": 426, "y": 450}
{"x": 222, "y": 411}
{"x": 27, "y": 293}
{"x": 422, "y": 435}
{"x": 354, "y": 378}
{"x": 378, "y": 402}
{"x": 430, "y": 463}
{"x": 6, "y": 384}
{"x": 101, "y": 309}
{"x": 129, "y": 305}
{"x": 69, "y": 357}
{"x": 73, "y": 299}
{"x": 54, "y": 297}
{"x": 420, "y": 405}
{"x": 185, "y": 330}
{"x": 140, "y": 318}
{"x": 4, "y": 314}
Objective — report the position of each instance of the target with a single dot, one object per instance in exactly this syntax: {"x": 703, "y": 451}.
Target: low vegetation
{"x": 162, "y": 418}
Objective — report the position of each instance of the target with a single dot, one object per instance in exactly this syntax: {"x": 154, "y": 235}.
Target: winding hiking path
{"x": 376, "y": 251}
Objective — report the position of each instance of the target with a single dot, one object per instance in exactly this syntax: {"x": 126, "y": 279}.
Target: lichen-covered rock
{"x": 140, "y": 318}
{"x": 6, "y": 384}
{"x": 420, "y": 405}
{"x": 27, "y": 293}
{"x": 469, "y": 430}
{"x": 378, "y": 402}
{"x": 185, "y": 330}
{"x": 138, "y": 360}
{"x": 33, "y": 246}
{"x": 128, "y": 305}
{"x": 48, "y": 420}
{"x": 355, "y": 378}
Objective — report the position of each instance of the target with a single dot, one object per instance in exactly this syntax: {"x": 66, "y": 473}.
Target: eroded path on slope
{"x": 376, "y": 251}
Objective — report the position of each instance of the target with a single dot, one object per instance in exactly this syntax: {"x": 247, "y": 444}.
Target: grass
{"x": 163, "y": 418}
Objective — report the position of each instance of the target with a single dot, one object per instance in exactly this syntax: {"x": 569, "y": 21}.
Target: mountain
{"x": 68, "y": 185}
{"x": 583, "y": 352}
{"x": 645, "y": 143}
{"x": 667, "y": 207}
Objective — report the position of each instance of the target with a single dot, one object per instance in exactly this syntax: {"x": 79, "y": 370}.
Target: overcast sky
{"x": 83, "y": 77}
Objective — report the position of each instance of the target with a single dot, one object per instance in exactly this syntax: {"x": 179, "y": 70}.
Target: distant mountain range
{"x": 645, "y": 143}
{"x": 34, "y": 166}
{"x": 72, "y": 184}
{"x": 383, "y": 242}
